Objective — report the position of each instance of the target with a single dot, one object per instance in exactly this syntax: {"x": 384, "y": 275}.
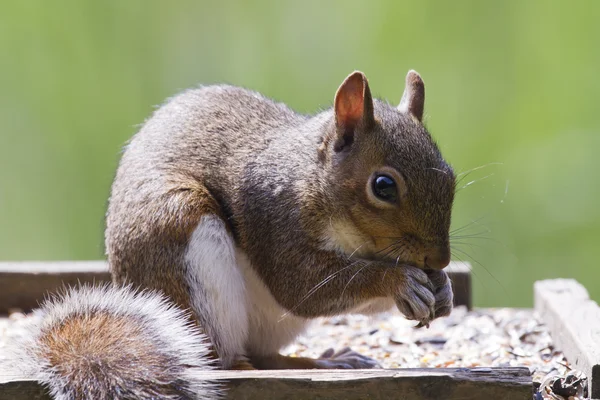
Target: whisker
{"x": 482, "y": 266}
{"x": 472, "y": 235}
{"x": 505, "y": 191}
{"x": 478, "y": 168}
{"x": 474, "y": 221}
{"x": 316, "y": 288}
{"x": 469, "y": 245}
{"x": 472, "y": 182}
{"x": 395, "y": 266}
{"x": 496, "y": 241}
{"x": 438, "y": 170}
{"x": 392, "y": 245}
{"x": 353, "y": 276}
{"x": 454, "y": 255}
{"x": 464, "y": 234}
{"x": 391, "y": 252}
{"x": 358, "y": 248}
{"x": 465, "y": 174}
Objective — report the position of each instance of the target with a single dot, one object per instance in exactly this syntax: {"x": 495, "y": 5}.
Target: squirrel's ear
{"x": 413, "y": 99}
{"x": 353, "y": 105}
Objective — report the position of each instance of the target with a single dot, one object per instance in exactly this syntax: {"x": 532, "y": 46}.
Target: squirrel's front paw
{"x": 415, "y": 297}
{"x": 345, "y": 359}
{"x": 443, "y": 292}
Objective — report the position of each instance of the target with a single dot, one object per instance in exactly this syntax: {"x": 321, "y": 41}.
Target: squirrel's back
{"x": 113, "y": 343}
{"x": 210, "y": 127}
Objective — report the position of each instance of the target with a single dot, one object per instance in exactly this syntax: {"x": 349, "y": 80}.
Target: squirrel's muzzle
{"x": 437, "y": 257}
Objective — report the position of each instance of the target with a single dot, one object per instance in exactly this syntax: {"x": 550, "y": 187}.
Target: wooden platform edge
{"x": 460, "y": 275}
{"x": 24, "y": 284}
{"x": 573, "y": 320}
{"x": 405, "y": 384}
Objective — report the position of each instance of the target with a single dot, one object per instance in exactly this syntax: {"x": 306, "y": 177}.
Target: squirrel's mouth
{"x": 414, "y": 251}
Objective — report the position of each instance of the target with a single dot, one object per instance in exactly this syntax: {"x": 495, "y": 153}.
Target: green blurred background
{"x": 512, "y": 87}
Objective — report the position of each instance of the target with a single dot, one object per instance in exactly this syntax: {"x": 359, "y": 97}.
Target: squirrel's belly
{"x": 271, "y": 326}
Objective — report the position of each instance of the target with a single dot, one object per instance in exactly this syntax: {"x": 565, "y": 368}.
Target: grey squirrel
{"x": 256, "y": 219}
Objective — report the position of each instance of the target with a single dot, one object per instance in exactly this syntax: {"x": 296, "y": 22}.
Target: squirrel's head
{"x": 391, "y": 191}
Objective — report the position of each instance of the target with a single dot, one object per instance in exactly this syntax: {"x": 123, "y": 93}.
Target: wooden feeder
{"x": 564, "y": 306}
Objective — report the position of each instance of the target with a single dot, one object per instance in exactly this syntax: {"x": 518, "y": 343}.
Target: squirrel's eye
{"x": 384, "y": 187}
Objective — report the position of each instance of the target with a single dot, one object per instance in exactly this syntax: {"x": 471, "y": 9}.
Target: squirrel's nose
{"x": 437, "y": 258}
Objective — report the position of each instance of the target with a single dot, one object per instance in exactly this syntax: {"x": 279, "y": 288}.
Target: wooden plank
{"x": 24, "y": 284}
{"x": 23, "y": 389}
{"x": 404, "y": 384}
{"x": 574, "y": 324}
{"x": 460, "y": 275}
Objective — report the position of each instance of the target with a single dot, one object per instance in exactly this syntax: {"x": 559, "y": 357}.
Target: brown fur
{"x": 114, "y": 343}
{"x": 87, "y": 348}
{"x": 281, "y": 181}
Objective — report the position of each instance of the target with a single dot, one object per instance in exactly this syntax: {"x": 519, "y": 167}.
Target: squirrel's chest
{"x": 270, "y": 326}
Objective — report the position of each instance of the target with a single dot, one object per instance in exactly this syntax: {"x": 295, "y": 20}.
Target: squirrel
{"x": 256, "y": 220}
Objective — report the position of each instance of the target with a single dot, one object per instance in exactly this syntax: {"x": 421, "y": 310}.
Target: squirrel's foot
{"x": 424, "y": 295}
{"x": 415, "y": 297}
{"x": 242, "y": 364}
{"x": 443, "y": 292}
{"x": 345, "y": 359}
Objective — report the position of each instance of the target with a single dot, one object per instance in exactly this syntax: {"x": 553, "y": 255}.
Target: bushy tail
{"x": 114, "y": 343}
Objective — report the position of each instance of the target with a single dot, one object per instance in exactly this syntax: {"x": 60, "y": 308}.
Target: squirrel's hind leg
{"x": 343, "y": 359}
{"x": 217, "y": 287}
{"x": 180, "y": 246}
{"x": 242, "y": 364}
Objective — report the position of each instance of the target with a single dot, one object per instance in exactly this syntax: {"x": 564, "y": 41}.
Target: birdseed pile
{"x": 480, "y": 338}
{"x": 504, "y": 337}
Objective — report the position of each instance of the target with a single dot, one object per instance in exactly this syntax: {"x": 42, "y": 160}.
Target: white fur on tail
{"x": 165, "y": 325}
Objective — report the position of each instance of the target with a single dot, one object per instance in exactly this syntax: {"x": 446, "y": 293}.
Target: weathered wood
{"x": 23, "y": 389}
{"x": 24, "y": 284}
{"x": 574, "y": 324}
{"x": 404, "y": 384}
{"x": 460, "y": 275}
